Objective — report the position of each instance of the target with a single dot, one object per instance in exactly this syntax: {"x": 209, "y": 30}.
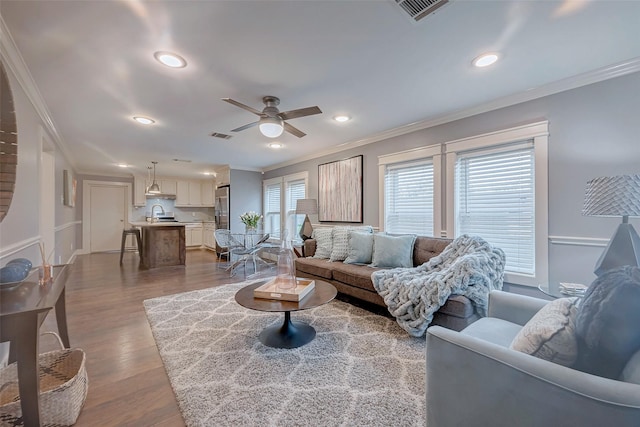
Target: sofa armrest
{"x": 309, "y": 247}
{"x": 474, "y": 382}
{"x": 518, "y": 309}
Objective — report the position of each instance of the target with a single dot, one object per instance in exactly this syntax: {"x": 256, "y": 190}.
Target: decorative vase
{"x": 286, "y": 274}
{"x": 249, "y": 229}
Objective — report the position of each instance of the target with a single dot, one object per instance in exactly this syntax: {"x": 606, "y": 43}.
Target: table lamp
{"x": 616, "y": 196}
{"x": 306, "y": 207}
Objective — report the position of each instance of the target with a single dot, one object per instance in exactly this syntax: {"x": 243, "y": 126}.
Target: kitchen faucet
{"x": 161, "y": 209}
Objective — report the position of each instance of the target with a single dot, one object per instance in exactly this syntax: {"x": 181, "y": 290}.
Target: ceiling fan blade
{"x": 244, "y": 107}
{"x": 301, "y": 112}
{"x": 293, "y": 131}
{"x": 250, "y": 125}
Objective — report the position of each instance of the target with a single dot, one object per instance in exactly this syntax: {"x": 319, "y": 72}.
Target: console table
{"x": 22, "y": 311}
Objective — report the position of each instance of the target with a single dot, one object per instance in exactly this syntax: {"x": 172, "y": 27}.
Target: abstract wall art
{"x": 340, "y": 190}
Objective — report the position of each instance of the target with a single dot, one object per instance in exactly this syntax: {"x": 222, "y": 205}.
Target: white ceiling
{"x": 93, "y": 64}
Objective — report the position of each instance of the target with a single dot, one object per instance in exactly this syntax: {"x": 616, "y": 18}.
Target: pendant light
{"x": 155, "y": 188}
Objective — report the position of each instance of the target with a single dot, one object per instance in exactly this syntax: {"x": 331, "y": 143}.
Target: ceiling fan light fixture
{"x": 170, "y": 59}
{"x": 271, "y": 127}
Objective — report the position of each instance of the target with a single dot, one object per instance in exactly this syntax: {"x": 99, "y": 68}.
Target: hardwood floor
{"x": 128, "y": 385}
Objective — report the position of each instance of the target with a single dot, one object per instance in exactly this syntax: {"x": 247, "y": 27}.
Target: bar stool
{"x": 125, "y": 233}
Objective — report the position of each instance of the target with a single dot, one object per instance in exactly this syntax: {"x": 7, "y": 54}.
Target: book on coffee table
{"x": 270, "y": 290}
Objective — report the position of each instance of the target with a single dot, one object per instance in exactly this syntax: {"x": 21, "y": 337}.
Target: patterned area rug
{"x": 361, "y": 369}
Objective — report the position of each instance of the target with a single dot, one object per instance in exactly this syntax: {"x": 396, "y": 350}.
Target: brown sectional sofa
{"x": 355, "y": 280}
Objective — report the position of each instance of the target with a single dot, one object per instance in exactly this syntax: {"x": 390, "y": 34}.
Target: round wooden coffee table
{"x": 289, "y": 334}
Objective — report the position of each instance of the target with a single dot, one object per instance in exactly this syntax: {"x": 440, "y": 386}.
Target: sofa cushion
{"x": 354, "y": 275}
{"x": 324, "y": 242}
{"x": 550, "y": 334}
{"x": 318, "y": 267}
{"x": 607, "y": 323}
{"x": 426, "y": 248}
{"x": 494, "y": 330}
{"x": 360, "y": 248}
{"x": 392, "y": 251}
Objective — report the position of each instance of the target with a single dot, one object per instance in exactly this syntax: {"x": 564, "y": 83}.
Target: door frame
{"x": 86, "y": 207}
{"x": 46, "y": 199}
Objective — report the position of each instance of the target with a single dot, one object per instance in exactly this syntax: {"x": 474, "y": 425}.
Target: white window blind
{"x": 408, "y": 198}
{"x": 295, "y": 190}
{"x": 495, "y": 197}
{"x": 272, "y": 209}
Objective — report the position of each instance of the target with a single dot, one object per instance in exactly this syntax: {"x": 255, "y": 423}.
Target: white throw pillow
{"x": 550, "y": 334}
{"x": 340, "y": 249}
{"x": 324, "y": 242}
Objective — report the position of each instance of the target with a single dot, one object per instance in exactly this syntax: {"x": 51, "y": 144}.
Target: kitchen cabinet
{"x": 208, "y": 235}
{"x": 208, "y": 193}
{"x": 141, "y": 183}
{"x": 195, "y": 193}
{"x": 193, "y": 235}
{"x": 223, "y": 176}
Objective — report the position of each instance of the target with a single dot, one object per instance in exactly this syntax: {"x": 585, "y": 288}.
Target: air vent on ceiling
{"x": 221, "y": 135}
{"x": 418, "y": 9}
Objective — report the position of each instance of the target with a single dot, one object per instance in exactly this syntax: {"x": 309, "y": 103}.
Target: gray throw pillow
{"x": 550, "y": 334}
{"x": 340, "y": 248}
{"x": 607, "y": 323}
{"x": 324, "y": 242}
{"x": 360, "y": 248}
{"x": 392, "y": 251}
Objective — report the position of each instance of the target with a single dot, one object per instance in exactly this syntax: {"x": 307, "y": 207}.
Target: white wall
{"x": 594, "y": 131}
{"x": 20, "y": 229}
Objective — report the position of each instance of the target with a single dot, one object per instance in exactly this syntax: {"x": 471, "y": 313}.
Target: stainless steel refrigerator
{"x": 222, "y": 211}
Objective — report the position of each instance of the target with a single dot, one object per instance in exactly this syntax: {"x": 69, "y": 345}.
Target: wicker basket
{"x": 63, "y": 389}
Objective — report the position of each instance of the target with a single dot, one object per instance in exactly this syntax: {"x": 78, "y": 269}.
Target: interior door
{"x": 108, "y": 210}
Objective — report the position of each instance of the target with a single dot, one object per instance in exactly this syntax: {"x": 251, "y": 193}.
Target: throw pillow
{"x": 360, "y": 248}
{"x": 324, "y": 242}
{"x": 607, "y": 323}
{"x": 392, "y": 251}
{"x": 631, "y": 371}
{"x": 550, "y": 334}
{"x": 340, "y": 248}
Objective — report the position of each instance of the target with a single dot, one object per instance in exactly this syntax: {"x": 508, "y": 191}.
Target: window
{"x": 492, "y": 185}
{"x": 408, "y": 197}
{"x": 496, "y": 186}
{"x": 410, "y": 191}
{"x": 495, "y": 199}
{"x": 281, "y": 196}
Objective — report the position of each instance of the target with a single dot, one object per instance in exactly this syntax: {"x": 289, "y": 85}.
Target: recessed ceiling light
{"x": 144, "y": 120}
{"x": 342, "y": 118}
{"x": 123, "y": 165}
{"x": 485, "y": 60}
{"x": 170, "y": 59}
{"x": 275, "y": 145}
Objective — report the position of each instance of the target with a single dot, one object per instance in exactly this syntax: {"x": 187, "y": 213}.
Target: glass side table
{"x": 554, "y": 290}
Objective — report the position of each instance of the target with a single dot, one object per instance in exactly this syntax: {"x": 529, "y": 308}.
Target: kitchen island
{"x": 163, "y": 244}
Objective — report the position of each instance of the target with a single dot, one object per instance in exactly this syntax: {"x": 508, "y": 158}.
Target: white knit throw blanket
{"x": 469, "y": 266}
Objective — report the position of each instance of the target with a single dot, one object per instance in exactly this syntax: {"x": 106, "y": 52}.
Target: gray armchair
{"x": 474, "y": 379}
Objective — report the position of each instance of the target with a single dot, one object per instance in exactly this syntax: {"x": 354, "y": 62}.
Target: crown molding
{"x": 584, "y": 79}
{"x": 13, "y": 59}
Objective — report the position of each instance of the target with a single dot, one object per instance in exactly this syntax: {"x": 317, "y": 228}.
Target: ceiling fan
{"x": 273, "y": 122}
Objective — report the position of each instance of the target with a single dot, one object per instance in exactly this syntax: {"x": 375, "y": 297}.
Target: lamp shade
{"x": 271, "y": 127}
{"x": 306, "y": 206}
{"x": 612, "y": 196}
